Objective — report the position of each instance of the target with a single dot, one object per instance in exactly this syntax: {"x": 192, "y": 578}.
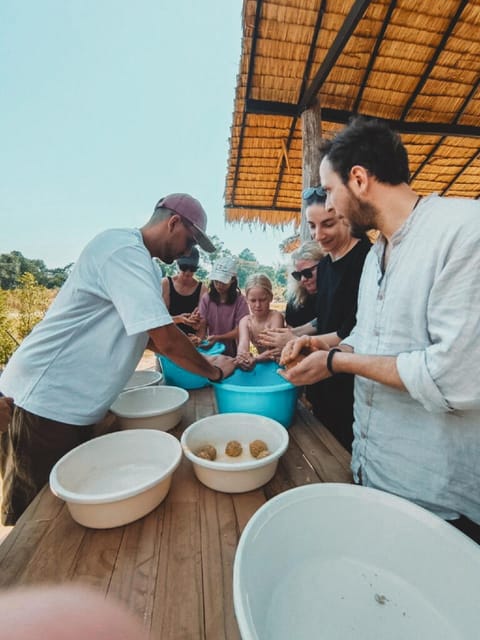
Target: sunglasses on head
{"x": 310, "y": 191}
{"x": 186, "y": 267}
{"x": 304, "y": 273}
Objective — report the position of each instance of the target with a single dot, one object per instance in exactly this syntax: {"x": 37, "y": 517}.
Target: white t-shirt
{"x": 79, "y": 357}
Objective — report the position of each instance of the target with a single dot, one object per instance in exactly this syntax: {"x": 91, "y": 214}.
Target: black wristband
{"x": 221, "y": 375}
{"x": 331, "y": 353}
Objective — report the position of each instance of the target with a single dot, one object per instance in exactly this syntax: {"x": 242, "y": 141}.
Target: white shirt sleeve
{"x": 133, "y": 283}
{"x": 441, "y": 376}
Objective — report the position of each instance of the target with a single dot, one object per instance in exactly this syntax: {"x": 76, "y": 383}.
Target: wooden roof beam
{"x": 433, "y": 61}
{"x": 373, "y": 57}
{"x": 339, "y": 116}
{"x": 251, "y": 66}
{"x": 348, "y": 27}
{"x": 462, "y": 170}
{"x": 460, "y": 113}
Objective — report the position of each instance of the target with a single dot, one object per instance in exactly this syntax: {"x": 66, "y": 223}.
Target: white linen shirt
{"x": 78, "y": 358}
{"x": 423, "y": 443}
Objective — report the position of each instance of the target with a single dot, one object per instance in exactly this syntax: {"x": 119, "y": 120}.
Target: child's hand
{"x": 269, "y": 355}
{"x": 245, "y": 361}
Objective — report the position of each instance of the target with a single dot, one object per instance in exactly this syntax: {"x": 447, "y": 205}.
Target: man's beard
{"x": 363, "y": 216}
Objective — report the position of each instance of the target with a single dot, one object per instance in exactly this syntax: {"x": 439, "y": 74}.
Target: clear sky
{"x": 107, "y": 105}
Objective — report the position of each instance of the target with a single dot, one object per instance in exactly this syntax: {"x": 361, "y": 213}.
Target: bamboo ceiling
{"x": 413, "y": 62}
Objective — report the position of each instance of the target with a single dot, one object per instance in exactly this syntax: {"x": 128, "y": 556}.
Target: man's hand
{"x": 311, "y": 369}
{"x": 6, "y": 408}
{"x": 226, "y": 364}
{"x": 302, "y": 346}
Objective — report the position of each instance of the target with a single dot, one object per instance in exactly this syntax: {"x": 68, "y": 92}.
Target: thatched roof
{"x": 414, "y": 62}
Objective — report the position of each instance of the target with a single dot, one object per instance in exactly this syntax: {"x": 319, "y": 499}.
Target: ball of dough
{"x": 257, "y": 446}
{"x": 263, "y": 454}
{"x": 233, "y": 448}
{"x": 207, "y": 452}
{"x": 295, "y": 361}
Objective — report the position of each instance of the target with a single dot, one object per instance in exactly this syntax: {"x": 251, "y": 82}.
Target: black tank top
{"x": 183, "y": 304}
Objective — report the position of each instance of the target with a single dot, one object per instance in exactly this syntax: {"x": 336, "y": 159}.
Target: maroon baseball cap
{"x": 189, "y": 208}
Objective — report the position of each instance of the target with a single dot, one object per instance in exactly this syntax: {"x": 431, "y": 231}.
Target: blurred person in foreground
{"x": 66, "y": 612}
{"x": 66, "y": 374}
{"x": 416, "y": 345}
{"x": 338, "y": 278}
{"x": 182, "y": 293}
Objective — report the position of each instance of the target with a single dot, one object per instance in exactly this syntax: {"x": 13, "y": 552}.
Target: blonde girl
{"x": 259, "y": 295}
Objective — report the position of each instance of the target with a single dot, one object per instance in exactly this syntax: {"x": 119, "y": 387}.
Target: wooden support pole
{"x": 311, "y": 136}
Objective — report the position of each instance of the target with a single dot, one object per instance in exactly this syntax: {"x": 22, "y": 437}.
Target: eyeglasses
{"x": 186, "y": 267}
{"x": 310, "y": 191}
{"x": 304, "y": 273}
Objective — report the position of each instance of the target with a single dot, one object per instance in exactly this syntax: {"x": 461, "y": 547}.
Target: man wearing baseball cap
{"x": 66, "y": 374}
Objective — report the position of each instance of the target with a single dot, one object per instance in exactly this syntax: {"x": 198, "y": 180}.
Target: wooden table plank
{"x": 173, "y": 569}
{"x": 135, "y": 574}
{"x": 54, "y": 557}
{"x": 178, "y": 600}
{"x": 219, "y": 540}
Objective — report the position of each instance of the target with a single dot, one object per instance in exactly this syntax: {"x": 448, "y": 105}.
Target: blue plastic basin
{"x": 261, "y": 391}
{"x": 179, "y": 377}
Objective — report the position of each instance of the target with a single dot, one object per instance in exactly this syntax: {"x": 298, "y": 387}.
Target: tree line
{"x": 13, "y": 265}
{"x": 27, "y": 287}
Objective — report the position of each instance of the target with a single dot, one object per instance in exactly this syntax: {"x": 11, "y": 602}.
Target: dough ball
{"x": 256, "y": 447}
{"x": 294, "y": 362}
{"x": 263, "y": 454}
{"x": 207, "y": 452}
{"x": 233, "y": 448}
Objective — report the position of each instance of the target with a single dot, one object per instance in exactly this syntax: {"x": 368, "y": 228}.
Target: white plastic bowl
{"x": 341, "y": 561}
{"x": 144, "y": 378}
{"x": 234, "y": 475}
{"x": 159, "y": 407}
{"x": 117, "y": 478}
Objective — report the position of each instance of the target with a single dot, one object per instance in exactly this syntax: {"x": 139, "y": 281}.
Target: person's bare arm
{"x": 243, "y": 336}
{"x": 306, "y": 329}
{"x": 166, "y": 292}
{"x": 313, "y": 368}
{"x": 172, "y": 343}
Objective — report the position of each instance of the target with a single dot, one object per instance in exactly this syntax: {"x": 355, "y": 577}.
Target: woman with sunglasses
{"x": 301, "y": 308}
{"x": 182, "y": 293}
{"x": 302, "y": 285}
{"x": 338, "y": 278}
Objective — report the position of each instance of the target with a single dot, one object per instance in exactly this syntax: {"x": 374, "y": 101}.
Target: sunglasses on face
{"x": 185, "y": 267}
{"x": 310, "y": 191}
{"x": 304, "y": 273}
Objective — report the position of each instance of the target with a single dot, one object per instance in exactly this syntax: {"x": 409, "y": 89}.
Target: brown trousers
{"x": 28, "y": 450}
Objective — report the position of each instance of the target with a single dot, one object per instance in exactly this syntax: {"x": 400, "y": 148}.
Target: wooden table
{"x": 173, "y": 568}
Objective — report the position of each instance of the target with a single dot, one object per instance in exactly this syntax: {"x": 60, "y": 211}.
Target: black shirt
{"x": 337, "y": 293}
{"x": 296, "y": 316}
{"x": 337, "y": 290}
{"x": 183, "y": 304}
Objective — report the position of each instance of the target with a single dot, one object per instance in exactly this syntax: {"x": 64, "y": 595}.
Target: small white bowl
{"x": 144, "y": 378}
{"x": 159, "y": 407}
{"x": 234, "y": 475}
{"x": 117, "y": 478}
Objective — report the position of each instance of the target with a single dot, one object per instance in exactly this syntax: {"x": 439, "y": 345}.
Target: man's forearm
{"x": 382, "y": 369}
